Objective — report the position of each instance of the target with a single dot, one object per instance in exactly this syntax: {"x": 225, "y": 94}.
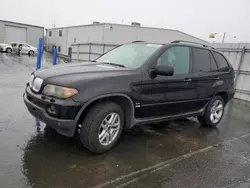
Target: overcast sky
{"x": 196, "y": 17}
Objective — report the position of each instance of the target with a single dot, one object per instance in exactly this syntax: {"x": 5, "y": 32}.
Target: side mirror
{"x": 164, "y": 70}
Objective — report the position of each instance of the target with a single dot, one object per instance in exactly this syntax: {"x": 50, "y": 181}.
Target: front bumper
{"x": 65, "y": 127}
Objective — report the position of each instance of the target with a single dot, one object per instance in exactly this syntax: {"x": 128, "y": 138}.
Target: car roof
{"x": 182, "y": 42}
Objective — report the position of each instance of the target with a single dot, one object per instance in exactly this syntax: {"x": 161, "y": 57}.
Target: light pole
{"x": 224, "y": 35}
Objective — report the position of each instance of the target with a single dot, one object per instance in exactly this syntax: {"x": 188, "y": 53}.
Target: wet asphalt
{"x": 172, "y": 154}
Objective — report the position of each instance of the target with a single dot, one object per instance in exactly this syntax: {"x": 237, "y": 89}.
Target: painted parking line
{"x": 160, "y": 166}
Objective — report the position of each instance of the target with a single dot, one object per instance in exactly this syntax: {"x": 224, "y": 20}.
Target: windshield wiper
{"x": 115, "y": 64}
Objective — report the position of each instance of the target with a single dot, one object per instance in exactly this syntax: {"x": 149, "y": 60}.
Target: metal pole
{"x": 39, "y": 54}
{"x": 54, "y": 56}
{"x": 70, "y": 53}
{"x": 89, "y": 50}
{"x": 224, "y": 35}
{"x": 104, "y": 48}
{"x": 78, "y": 54}
{"x": 240, "y": 63}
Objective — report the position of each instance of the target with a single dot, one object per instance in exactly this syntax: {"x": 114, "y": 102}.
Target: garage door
{"x": 15, "y": 34}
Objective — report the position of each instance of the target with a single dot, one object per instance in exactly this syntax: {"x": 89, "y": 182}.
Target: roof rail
{"x": 184, "y": 41}
{"x": 138, "y": 41}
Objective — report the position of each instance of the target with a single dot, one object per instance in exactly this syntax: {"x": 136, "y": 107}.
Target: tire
{"x": 31, "y": 52}
{"x": 91, "y": 128}
{"x": 210, "y": 120}
{"x": 8, "y": 50}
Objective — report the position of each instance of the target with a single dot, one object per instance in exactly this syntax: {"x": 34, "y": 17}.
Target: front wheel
{"x": 31, "y": 52}
{"x": 102, "y": 127}
{"x": 213, "y": 113}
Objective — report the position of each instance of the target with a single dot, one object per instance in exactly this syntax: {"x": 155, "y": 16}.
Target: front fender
{"x": 130, "y": 109}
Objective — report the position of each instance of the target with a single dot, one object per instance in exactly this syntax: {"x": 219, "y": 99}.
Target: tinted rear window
{"x": 203, "y": 61}
{"x": 221, "y": 62}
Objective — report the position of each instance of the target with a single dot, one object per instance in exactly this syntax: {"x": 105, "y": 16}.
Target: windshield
{"x": 129, "y": 55}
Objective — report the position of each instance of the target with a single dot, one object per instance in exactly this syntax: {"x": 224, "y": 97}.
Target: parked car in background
{"x": 24, "y": 48}
{"x": 5, "y": 48}
{"x": 133, "y": 84}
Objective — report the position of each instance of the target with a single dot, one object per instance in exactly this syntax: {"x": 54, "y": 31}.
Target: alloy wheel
{"x": 109, "y": 129}
{"x": 216, "y": 111}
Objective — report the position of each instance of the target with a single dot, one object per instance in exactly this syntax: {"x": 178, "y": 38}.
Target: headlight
{"x": 59, "y": 92}
{"x": 31, "y": 80}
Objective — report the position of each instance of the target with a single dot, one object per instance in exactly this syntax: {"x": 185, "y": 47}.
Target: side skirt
{"x": 166, "y": 118}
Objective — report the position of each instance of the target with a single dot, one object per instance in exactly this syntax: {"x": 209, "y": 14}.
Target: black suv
{"x": 132, "y": 84}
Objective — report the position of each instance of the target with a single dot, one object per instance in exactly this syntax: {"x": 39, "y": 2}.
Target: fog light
{"x": 52, "y": 109}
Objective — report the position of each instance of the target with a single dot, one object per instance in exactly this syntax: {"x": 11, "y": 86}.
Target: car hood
{"x": 78, "y": 72}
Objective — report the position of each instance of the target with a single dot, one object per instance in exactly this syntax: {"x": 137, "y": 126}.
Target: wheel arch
{"x": 31, "y": 51}
{"x": 123, "y": 100}
{"x": 224, "y": 95}
{"x": 8, "y": 48}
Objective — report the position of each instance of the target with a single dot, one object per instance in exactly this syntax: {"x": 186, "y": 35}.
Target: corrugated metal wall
{"x": 33, "y": 33}
{"x": 113, "y": 34}
{"x": 239, "y": 57}
{"x": 89, "y": 51}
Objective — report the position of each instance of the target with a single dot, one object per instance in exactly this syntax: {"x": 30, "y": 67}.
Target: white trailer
{"x": 108, "y": 33}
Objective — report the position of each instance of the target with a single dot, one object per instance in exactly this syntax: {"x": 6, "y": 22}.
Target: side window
{"x": 50, "y": 33}
{"x": 14, "y": 44}
{"x": 203, "y": 61}
{"x": 213, "y": 64}
{"x": 221, "y": 61}
{"x": 178, "y": 57}
{"x": 60, "y": 33}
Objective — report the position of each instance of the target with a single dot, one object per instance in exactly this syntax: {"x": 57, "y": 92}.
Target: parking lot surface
{"x": 172, "y": 154}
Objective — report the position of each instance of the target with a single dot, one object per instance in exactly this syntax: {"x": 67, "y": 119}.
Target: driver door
{"x": 172, "y": 95}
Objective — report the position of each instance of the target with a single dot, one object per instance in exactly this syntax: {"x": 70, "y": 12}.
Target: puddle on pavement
{"x": 58, "y": 161}
{"x": 36, "y": 156}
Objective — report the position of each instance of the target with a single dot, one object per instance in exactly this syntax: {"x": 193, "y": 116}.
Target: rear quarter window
{"x": 221, "y": 62}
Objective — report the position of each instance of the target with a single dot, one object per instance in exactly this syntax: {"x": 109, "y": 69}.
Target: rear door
{"x": 208, "y": 77}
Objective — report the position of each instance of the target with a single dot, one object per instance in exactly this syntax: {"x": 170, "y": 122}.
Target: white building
{"x": 19, "y": 32}
{"x": 109, "y": 33}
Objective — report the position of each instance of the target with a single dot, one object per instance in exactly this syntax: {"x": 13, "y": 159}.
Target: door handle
{"x": 187, "y": 80}
{"x": 216, "y": 77}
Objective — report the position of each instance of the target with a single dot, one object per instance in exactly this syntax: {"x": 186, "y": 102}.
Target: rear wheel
{"x": 213, "y": 113}
{"x": 31, "y": 52}
{"x": 102, "y": 127}
{"x": 8, "y": 50}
